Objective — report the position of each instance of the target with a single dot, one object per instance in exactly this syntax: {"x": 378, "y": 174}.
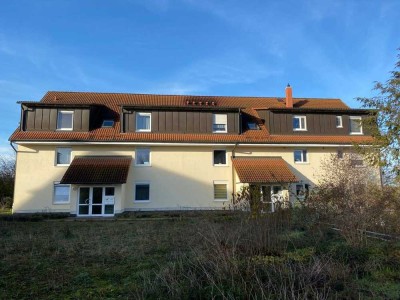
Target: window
{"x": 61, "y": 193}
{"x": 63, "y": 156}
{"x": 339, "y": 122}
{"x": 143, "y": 122}
{"x": 142, "y": 157}
{"x": 355, "y": 125}
{"x": 65, "y": 120}
{"x": 252, "y": 126}
{"x": 302, "y": 191}
{"x": 219, "y": 157}
{"x": 220, "y": 190}
{"x": 107, "y": 123}
{"x": 299, "y": 123}
{"x": 142, "y": 192}
{"x": 220, "y": 123}
{"x": 300, "y": 156}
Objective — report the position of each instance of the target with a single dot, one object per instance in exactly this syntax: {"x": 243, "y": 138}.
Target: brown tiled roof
{"x": 114, "y": 101}
{"x": 263, "y": 170}
{"x": 98, "y": 170}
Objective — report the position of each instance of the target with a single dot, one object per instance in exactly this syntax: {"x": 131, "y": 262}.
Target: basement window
{"x": 107, "y": 123}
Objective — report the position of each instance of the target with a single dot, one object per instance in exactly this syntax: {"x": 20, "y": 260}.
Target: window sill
{"x": 62, "y": 165}
{"x": 62, "y": 203}
{"x": 220, "y": 200}
{"x": 339, "y": 126}
{"x": 302, "y": 162}
{"x": 141, "y": 201}
{"x": 220, "y": 165}
{"x": 356, "y": 133}
{"x": 142, "y": 166}
{"x": 64, "y": 129}
{"x": 220, "y": 132}
{"x": 143, "y": 130}
{"x": 294, "y": 129}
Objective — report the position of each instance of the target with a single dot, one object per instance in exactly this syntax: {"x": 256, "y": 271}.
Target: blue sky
{"x": 323, "y": 48}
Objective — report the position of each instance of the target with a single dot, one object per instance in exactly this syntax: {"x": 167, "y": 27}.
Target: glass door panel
{"x": 84, "y": 201}
{"x": 97, "y": 201}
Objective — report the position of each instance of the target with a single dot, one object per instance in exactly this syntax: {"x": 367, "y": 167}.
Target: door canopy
{"x": 263, "y": 170}
{"x": 97, "y": 170}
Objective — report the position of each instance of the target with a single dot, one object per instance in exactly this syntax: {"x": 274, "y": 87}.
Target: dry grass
{"x": 225, "y": 256}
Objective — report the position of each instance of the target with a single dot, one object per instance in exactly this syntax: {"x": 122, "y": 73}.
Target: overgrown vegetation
{"x": 7, "y": 175}
{"x": 284, "y": 255}
{"x": 350, "y": 198}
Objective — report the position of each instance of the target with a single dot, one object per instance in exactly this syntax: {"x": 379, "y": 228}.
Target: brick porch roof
{"x": 97, "y": 170}
{"x": 263, "y": 170}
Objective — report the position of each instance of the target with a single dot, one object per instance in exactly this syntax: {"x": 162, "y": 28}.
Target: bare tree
{"x": 349, "y": 197}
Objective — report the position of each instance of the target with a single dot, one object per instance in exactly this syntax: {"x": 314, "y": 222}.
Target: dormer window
{"x": 143, "y": 121}
{"x": 356, "y": 125}
{"x": 339, "y": 122}
{"x": 107, "y": 123}
{"x": 65, "y": 120}
{"x": 299, "y": 123}
{"x": 220, "y": 123}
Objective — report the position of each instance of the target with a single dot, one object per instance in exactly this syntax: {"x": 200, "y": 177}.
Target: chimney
{"x": 289, "y": 99}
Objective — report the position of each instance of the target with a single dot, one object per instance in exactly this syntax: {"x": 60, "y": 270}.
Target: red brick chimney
{"x": 289, "y": 98}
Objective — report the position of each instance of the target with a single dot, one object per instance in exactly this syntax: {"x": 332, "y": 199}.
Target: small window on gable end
{"x": 219, "y": 158}
{"x": 65, "y": 120}
{"x": 107, "y": 123}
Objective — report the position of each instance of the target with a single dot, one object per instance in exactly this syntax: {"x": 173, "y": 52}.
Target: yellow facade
{"x": 180, "y": 177}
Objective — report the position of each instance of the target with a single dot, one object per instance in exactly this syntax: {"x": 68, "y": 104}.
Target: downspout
{"x": 233, "y": 173}
{"x": 12, "y": 146}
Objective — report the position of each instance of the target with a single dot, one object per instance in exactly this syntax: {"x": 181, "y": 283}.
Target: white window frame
{"x": 57, "y": 183}
{"x": 144, "y": 114}
{"x": 56, "y": 157}
{"x": 305, "y": 123}
{"x": 302, "y": 157}
{"x": 340, "y": 123}
{"x": 226, "y": 124}
{"x": 142, "y": 165}
{"x": 70, "y": 112}
{"x": 226, "y": 158}
{"x": 361, "y": 127}
{"x": 227, "y": 190}
{"x": 134, "y": 191}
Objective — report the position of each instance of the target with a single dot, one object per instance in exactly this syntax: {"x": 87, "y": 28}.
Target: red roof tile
{"x": 249, "y": 104}
{"x": 263, "y": 170}
{"x": 98, "y": 170}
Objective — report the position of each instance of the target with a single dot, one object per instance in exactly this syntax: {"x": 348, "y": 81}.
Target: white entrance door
{"x": 96, "y": 201}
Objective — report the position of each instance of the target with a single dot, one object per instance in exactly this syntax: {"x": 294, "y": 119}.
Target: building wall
{"x": 179, "y": 177}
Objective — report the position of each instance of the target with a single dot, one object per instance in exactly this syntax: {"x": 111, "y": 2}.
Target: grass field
{"x": 199, "y": 256}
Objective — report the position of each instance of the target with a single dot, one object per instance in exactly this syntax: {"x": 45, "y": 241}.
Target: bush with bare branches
{"x": 7, "y": 175}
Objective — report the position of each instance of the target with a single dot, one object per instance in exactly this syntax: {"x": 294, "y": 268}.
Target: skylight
{"x": 108, "y": 123}
{"x": 252, "y": 126}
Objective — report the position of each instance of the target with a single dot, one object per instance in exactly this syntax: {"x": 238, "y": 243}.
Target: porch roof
{"x": 263, "y": 170}
{"x": 98, "y": 170}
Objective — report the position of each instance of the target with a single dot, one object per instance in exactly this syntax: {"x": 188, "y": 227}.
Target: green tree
{"x": 385, "y": 124}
